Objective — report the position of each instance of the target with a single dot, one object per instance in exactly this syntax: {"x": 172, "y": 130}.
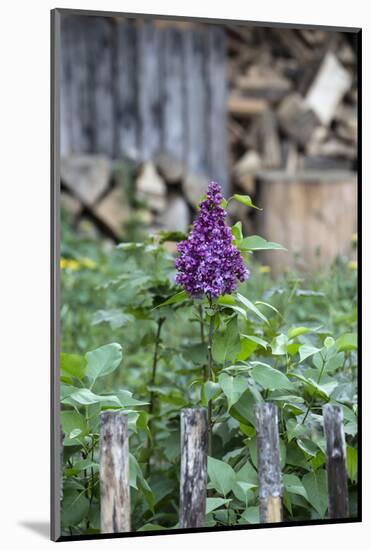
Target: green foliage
{"x": 132, "y": 340}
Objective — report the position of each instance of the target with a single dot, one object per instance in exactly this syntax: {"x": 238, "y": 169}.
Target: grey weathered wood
{"x": 336, "y": 462}
{"x": 196, "y": 102}
{"x": 80, "y": 119}
{"x": 100, "y": 52}
{"x": 269, "y": 469}
{"x": 217, "y": 99}
{"x": 126, "y": 100}
{"x": 173, "y": 140}
{"x": 65, "y": 86}
{"x": 193, "y": 467}
{"x": 150, "y": 102}
{"x": 114, "y": 472}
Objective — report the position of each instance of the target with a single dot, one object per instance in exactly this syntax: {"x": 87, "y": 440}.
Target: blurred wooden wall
{"x": 134, "y": 88}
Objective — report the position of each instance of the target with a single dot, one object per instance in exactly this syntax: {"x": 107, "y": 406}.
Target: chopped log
{"x": 291, "y": 198}
{"x": 194, "y": 187}
{"x": 86, "y": 176}
{"x": 327, "y": 89}
{"x": 114, "y": 472}
{"x": 151, "y": 187}
{"x": 113, "y": 212}
{"x": 296, "y": 47}
{"x": 193, "y": 468}
{"x": 269, "y": 139}
{"x": 269, "y": 469}
{"x": 337, "y": 478}
{"x": 324, "y": 162}
{"x": 296, "y": 119}
{"x": 169, "y": 167}
{"x": 264, "y": 82}
{"x": 245, "y": 107}
{"x": 176, "y": 216}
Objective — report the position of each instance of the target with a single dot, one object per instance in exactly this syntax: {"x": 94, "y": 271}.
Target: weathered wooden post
{"x": 337, "y": 478}
{"x": 114, "y": 472}
{"x": 193, "y": 467}
{"x": 269, "y": 469}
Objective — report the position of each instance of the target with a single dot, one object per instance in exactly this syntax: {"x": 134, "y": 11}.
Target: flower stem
{"x": 151, "y": 407}
{"x": 318, "y": 381}
{"x": 202, "y": 334}
{"x": 209, "y": 377}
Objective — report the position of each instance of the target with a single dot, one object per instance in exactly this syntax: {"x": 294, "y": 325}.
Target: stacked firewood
{"x": 292, "y": 101}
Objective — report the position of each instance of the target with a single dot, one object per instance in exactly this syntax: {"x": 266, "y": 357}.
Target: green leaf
{"x": 233, "y": 387}
{"x": 298, "y": 331}
{"x": 251, "y": 515}
{"x": 175, "y": 299}
{"x": 214, "y": 503}
{"x": 322, "y": 391}
{"x": 114, "y": 317}
{"x": 243, "y": 300}
{"x": 152, "y": 527}
{"x": 221, "y": 474}
{"x": 226, "y": 346}
{"x": 269, "y": 306}
{"x": 256, "y": 339}
{"x": 247, "y": 474}
{"x": 127, "y": 400}
{"x": 74, "y": 509}
{"x": 84, "y": 396}
{"x": 255, "y": 242}
{"x": 237, "y": 231}
{"x": 246, "y": 200}
{"x": 103, "y": 361}
{"x": 72, "y": 420}
{"x": 352, "y": 463}
{"x": 209, "y": 390}
{"x": 279, "y": 345}
{"x": 138, "y": 481}
{"x": 270, "y": 378}
{"x": 293, "y": 485}
{"x": 306, "y": 351}
{"x": 315, "y": 484}
{"x": 244, "y": 409}
{"x": 72, "y": 365}
{"x": 347, "y": 342}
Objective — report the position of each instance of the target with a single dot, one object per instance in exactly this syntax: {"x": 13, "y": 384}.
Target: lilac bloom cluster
{"x": 209, "y": 264}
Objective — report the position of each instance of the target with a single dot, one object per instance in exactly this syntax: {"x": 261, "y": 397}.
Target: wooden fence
{"x": 139, "y": 87}
{"x": 114, "y": 467}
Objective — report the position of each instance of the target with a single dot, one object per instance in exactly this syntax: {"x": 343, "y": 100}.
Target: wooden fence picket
{"x": 193, "y": 467}
{"x": 269, "y": 468}
{"x": 337, "y": 479}
{"x": 114, "y": 472}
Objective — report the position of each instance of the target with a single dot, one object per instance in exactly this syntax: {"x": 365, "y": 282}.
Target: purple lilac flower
{"x": 209, "y": 263}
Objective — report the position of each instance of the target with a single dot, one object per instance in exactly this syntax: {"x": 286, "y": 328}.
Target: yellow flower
{"x": 264, "y": 269}
{"x": 352, "y": 264}
{"x": 354, "y": 238}
{"x": 72, "y": 265}
{"x": 88, "y": 263}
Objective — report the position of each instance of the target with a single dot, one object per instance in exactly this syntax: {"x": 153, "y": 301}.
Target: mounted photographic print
{"x": 205, "y": 370}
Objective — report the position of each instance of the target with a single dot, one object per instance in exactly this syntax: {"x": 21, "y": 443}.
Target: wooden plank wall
{"x": 138, "y": 87}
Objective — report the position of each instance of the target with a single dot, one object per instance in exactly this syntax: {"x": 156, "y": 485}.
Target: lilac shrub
{"x": 209, "y": 264}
